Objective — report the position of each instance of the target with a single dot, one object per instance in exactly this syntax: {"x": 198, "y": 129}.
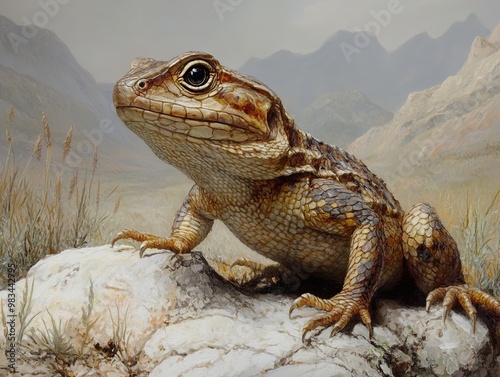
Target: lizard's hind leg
{"x": 433, "y": 261}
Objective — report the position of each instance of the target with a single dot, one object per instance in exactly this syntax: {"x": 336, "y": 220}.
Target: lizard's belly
{"x": 283, "y": 237}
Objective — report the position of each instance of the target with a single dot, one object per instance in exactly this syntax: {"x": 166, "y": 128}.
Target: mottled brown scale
{"x": 310, "y": 206}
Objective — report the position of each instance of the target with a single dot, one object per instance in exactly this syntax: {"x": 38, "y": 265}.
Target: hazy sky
{"x": 105, "y": 35}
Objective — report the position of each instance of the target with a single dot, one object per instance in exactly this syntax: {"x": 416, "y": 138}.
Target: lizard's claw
{"x": 143, "y": 248}
{"x": 340, "y": 310}
{"x": 133, "y": 235}
{"x": 119, "y": 236}
{"x": 467, "y": 297}
{"x": 150, "y": 241}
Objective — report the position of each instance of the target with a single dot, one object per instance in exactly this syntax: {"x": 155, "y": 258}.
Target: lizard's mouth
{"x": 210, "y": 119}
{"x": 177, "y": 123}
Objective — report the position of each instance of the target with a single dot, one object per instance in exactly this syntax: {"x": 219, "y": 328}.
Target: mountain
{"x": 339, "y": 118}
{"x": 39, "y": 74}
{"x": 452, "y": 128}
{"x": 47, "y": 59}
{"x": 346, "y": 62}
{"x": 300, "y": 79}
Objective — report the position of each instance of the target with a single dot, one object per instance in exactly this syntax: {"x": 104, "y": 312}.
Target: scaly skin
{"x": 310, "y": 206}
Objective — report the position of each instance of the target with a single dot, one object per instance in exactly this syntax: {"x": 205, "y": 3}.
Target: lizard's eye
{"x": 196, "y": 76}
{"x": 142, "y": 84}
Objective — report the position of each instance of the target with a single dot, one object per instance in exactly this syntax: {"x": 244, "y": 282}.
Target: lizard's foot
{"x": 149, "y": 241}
{"x": 340, "y": 310}
{"x": 265, "y": 276}
{"x": 256, "y": 267}
{"x": 467, "y": 297}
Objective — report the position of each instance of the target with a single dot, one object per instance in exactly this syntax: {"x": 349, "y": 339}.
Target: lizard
{"x": 310, "y": 206}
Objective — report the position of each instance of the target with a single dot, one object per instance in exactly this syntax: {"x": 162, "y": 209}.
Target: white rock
{"x": 185, "y": 322}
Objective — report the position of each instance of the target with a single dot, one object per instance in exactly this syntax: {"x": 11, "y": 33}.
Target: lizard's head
{"x": 195, "y": 113}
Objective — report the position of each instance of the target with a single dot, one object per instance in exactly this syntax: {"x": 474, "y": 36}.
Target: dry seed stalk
{"x": 37, "y": 148}
{"x": 98, "y": 195}
{"x": 8, "y": 136}
{"x": 46, "y": 129}
{"x": 96, "y": 157}
{"x": 67, "y": 142}
{"x": 73, "y": 184}
{"x": 58, "y": 190}
{"x": 117, "y": 205}
{"x": 11, "y": 115}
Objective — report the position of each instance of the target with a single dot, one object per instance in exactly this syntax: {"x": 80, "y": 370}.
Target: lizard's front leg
{"x": 343, "y": 213}
{"x": 192, "y": 224}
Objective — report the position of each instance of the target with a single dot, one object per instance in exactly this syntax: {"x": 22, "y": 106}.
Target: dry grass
{"x": 480, "y": 237}
{"x": 42, "y": 211}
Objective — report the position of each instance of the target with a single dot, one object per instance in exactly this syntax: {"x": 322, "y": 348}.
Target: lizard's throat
{"x": 198, "y": 157}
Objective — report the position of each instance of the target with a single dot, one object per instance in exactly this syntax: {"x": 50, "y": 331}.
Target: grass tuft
{"x": 87, "y": 321}
{"x": 53, "y": 339}
{"x": 121, "y": 340}
{"x": 42, "y": 211}
{"x": 24, "y": 314}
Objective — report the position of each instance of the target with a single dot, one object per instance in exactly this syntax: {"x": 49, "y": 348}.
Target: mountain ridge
{"x": 385, "y": 77}
{"x": 457, "y": 121}
{"x": 47, "y": 58}
{"x": 341, "y": 117}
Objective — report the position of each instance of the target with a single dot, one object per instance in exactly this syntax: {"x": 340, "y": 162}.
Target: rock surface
{"x": 173, "y": 317}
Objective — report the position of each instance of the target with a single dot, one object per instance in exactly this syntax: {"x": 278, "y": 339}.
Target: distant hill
{"x": 39, "y": 74}
{"x": 48, "y": 60}
{"x": 385, "y": 77}
{"x": 339, "y": 118}
{"x": 451, "y": 129}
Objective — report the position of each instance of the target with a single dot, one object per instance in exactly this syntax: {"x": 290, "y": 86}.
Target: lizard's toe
{"x": 340, "y": 310}
{"x": 311, "y": 301}
{"x": 467, "y": 297}
{"x": 121, "y": 235}
{"x": 150, "y": 241}
{"x": 134, "y": 235}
